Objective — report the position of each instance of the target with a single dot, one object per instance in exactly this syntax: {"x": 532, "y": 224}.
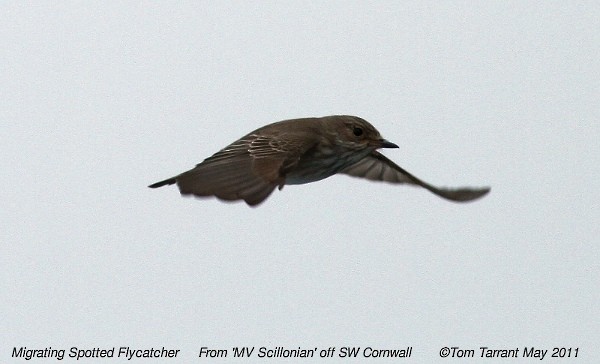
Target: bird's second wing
{"x": 377, "y": 167}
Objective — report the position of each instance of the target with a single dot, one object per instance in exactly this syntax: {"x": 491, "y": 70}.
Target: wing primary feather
{"x": 391, "y": 172}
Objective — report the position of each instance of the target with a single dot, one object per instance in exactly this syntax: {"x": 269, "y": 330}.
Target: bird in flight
{"x": 298, "y": 151}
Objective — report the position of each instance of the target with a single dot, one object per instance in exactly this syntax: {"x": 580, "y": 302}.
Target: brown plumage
{"x": 300, "y": 151}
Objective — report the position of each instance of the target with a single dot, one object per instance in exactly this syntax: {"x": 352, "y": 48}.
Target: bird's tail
{"x": 169, "y": 181}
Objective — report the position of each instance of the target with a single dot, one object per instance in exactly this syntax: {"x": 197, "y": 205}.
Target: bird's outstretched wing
{"x": 248, "y": 169}
{"x": 377, "y": 167}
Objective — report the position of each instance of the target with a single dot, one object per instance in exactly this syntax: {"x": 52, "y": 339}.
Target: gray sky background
{"x": 100, "y": 100}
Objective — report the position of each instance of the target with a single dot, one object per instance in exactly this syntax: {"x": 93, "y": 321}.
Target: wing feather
{"x": 249, "y": 169}
{"x": 377, "y": 167}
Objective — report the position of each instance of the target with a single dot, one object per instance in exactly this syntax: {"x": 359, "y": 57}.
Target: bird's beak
{"x": 385, "y": 144}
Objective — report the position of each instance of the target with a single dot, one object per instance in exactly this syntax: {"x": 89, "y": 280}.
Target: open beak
{"x": 385, "y": 144}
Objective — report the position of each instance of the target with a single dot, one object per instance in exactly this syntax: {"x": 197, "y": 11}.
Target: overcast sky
{"x": 98, "y": 100}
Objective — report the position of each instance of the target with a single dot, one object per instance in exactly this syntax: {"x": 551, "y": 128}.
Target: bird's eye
{"x": 357, "y": 131}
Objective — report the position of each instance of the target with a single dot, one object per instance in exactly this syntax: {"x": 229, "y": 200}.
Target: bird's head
{"x": 355, "y": 133}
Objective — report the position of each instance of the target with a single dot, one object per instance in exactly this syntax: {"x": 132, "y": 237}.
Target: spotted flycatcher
{"x": 298, "y": 151}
